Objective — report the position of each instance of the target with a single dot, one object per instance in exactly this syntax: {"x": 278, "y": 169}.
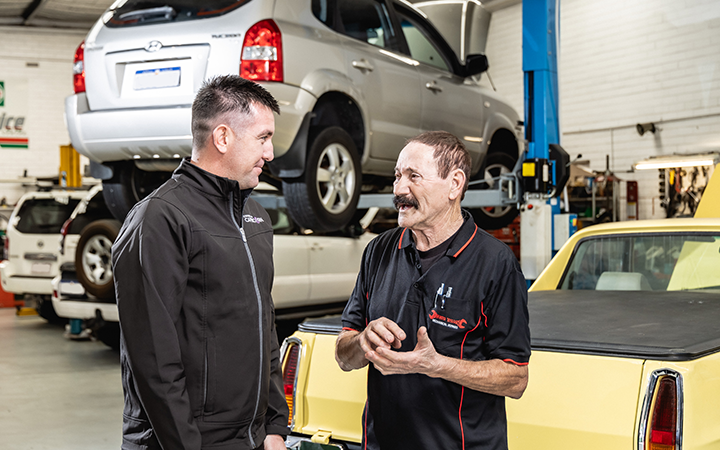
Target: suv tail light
{"x": 663, "y": 408}
{"x": 291, "y": 358}
{"x": 63, "y": 233}
{"x": 79, "y": 69}
{"x": 261, "y": 58}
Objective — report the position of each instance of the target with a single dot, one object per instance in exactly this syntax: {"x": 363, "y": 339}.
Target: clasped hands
{"x": 383, "y": 335}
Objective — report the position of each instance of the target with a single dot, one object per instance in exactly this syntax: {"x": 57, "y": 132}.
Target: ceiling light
{"x": 670, "y": 162}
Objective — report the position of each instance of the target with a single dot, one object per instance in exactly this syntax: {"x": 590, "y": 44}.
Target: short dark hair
{"x": 222, "y": 95}
{"x": 449, "y": 153}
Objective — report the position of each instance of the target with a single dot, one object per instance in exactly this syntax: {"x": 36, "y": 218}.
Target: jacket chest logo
{"x": 252, "y": 219}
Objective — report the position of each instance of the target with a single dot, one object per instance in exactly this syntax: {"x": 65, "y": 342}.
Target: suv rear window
{"x": 44, "y": 216}
{"x": 144, "y": 12}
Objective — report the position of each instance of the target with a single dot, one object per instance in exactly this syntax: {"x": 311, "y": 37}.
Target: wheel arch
{"x": 500, "y": 137}
{"x": 339, "y": 109}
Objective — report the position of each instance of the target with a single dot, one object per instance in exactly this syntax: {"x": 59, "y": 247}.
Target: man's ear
{"x": 457, "y": 182}
{"x": 221, "y": 137}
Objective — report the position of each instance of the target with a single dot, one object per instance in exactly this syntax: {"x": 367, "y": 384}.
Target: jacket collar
{"x": 466, "y": 233}
{"x": 210, "y": 183}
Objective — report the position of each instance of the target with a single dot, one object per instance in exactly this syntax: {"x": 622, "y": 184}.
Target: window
{"x": 142, "y": 12}
{"x": 44, "y": 215}
{"x": 421, "y": 47}
{"x": 366, "y": 20}
{"x": 657, "y": 262}
{"x": 281, "y": 222}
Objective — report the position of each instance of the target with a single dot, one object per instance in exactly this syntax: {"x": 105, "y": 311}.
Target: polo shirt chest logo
{"x": 441, "y": 297}
{"x": 455, "y": 324}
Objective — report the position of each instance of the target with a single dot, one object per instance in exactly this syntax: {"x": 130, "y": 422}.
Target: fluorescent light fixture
{"x": 673, "y": 161}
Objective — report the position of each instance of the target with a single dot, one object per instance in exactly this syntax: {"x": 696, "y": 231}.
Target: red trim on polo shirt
{"x": 516, "y": 363}
{"x": 401, "y": 238}
{"x": 462, "y": 392}
{"x": 468, "y": 242}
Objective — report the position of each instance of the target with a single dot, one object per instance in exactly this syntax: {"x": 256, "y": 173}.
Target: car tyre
{"x": 495, "y": 217}
{"x": 93, "y": 263}
{"x": 109, "y": 334}
{"x": 326, "y": 197}
{"x": 46, "y": 310}
{"x": 128, "y": 186}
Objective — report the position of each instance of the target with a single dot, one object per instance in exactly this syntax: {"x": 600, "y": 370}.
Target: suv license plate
{"x": 40, "y": 268}
{"x": 156, "y": 78}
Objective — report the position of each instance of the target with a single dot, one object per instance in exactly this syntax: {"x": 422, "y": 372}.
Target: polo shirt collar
{"x": 468, "y": 231}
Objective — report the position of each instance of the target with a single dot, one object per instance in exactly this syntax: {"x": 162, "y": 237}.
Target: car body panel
{"x": 604, "y": 418}
{"x": 701, "y": 395}
{"x": 332, "y": 400}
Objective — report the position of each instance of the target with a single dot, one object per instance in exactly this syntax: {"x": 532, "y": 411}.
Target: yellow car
{"x": 625, "y": 325}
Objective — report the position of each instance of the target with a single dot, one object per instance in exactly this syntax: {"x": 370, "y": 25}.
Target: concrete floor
{"x": 56, "y": 394}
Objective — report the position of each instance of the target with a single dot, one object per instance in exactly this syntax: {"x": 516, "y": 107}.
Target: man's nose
{"x": 400, "y": 187}
{"x": 269, "y": 153}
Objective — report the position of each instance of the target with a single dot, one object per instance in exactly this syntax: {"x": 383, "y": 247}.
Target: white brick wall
{"x": 48, "y": 85}
{"x": 622, "y": 63}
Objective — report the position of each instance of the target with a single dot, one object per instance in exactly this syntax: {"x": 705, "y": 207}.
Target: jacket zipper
{"x": 260, "y": 310}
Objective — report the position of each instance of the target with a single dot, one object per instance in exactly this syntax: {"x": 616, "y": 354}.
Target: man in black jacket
{"x": 193, "y": 274}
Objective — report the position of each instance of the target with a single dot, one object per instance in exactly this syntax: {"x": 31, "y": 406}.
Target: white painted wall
{"x": 622, "y": 63}
{"x": 44, "y": 58}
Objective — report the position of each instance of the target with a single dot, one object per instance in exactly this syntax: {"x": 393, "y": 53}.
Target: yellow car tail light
{"x": 661, "y": 418}
{"x": 663, "y": 426}
{"x": 291, "y": 358}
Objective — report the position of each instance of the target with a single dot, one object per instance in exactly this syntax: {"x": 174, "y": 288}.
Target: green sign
{"x": 2, "y": 93}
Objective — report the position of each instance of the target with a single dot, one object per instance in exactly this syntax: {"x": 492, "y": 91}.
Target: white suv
{"x": 354, "y": 79}
{"x": 32, "y": 246}
{"x": 314, "y": 274}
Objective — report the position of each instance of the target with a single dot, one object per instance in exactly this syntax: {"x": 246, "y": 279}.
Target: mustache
{"x": 404, "y": 200}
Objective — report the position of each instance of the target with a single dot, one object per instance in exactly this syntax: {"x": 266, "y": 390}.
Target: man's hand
{"x": 381, "y": 333}
{"x": 423, "y": 359}
{"x": 353, "y": 347}
{"x": 274, "y": 442}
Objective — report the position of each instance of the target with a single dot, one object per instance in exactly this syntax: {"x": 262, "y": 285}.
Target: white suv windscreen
{"x": 44, "y": 215}
{"x": 142, "y": 12}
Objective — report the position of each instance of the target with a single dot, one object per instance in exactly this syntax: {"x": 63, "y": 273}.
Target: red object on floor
{"x": 7, "y": 299}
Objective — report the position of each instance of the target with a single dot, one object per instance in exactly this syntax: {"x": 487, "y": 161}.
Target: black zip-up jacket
{"x": 200, "y": 361}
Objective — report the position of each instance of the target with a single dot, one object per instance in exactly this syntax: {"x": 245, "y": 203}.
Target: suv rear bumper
{"x": 18, "y": 284}
{"x": 84, "y": 309}
{"x": 77, "y": 305}
{"x": 149, "y": 133}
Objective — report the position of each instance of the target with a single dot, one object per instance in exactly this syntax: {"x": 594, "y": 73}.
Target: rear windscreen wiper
{"x": 159, "y": 13}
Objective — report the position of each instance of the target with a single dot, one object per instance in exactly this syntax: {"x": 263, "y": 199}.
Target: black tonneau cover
{"x": 671, "y": 326}
{"x": 675, "y": 325}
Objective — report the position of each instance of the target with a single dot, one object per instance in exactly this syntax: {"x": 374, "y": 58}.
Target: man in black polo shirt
{"x": 440, "y": 310}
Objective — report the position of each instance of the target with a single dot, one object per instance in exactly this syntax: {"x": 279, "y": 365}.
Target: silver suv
{"x": 354, "y": 79}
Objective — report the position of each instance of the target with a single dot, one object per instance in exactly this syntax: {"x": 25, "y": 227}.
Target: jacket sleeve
{"x": 150, "y": 266}
{"x": 276, "y": 418}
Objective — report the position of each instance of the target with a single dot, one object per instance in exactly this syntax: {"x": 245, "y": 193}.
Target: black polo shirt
{"x": 473, "y": 302}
